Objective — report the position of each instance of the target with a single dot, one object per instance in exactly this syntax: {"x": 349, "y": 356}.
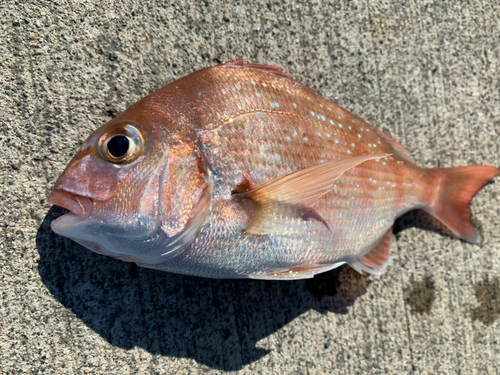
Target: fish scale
{"x": 310, "y": 241}
{"x": 239, "y": 171}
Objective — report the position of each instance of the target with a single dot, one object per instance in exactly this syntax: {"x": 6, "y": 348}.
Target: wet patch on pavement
{"x": 488, "y": 295}
{"x": 420, "y": 295}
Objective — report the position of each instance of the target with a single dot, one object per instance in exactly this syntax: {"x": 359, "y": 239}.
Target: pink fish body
{"x": 238, "y": 171}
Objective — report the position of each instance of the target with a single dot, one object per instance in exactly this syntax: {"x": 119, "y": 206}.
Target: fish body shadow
{"x": 215, "y": 322}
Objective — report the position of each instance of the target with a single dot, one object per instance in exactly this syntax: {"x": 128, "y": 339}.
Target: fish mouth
{"x": 76, "y": 204}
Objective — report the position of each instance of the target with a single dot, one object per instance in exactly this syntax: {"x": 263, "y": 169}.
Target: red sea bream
{"x": 239, "y": 171}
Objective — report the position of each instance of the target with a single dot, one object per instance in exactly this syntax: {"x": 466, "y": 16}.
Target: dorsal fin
{"x": 241, "y": 63}
{"x": 294, "y": 196}
{"x": 398, "y": 148}
{"x": 378, "y": 258}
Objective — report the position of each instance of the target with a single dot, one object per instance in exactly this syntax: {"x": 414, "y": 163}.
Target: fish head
{"x": 113, "y": 188}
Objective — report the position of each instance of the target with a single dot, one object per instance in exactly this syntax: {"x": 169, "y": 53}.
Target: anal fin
{"x": 377, "y": 258}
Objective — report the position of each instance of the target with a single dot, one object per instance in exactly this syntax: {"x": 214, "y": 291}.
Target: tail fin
{"x": 456, "y": 188}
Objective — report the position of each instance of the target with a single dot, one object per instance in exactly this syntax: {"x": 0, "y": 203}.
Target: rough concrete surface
{"x": 426, "y": 72}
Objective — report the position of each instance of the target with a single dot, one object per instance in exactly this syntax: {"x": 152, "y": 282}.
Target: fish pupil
{"x": 118, "y": 146}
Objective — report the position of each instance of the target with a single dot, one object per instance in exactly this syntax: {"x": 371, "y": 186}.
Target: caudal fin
{"x": 456, "y": 188}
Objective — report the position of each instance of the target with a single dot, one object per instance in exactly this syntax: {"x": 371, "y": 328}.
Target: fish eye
{"x": 118, "y": 146}
{"x": 121, "y": 145}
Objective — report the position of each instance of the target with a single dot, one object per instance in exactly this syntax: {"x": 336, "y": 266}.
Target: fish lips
{"x": 70, "y": 224}
{"x": 80, "y": 208}
{"x": 79, "y": 226}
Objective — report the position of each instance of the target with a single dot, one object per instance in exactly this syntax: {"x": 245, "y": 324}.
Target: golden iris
{"x": 121, "y": 144}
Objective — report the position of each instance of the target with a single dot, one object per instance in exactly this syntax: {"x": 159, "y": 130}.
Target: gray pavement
{"x": 427, "y": 73}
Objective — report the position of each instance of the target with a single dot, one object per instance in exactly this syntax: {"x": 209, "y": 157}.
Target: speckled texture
{"x": 426, "y": 73}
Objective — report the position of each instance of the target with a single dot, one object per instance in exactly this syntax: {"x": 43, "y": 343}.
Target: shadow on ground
{"x": 423, "y": 220}
{"x": 215, "y": 322}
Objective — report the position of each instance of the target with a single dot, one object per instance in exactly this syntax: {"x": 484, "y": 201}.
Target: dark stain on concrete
{"x": 420, "y": 295}
{"x": 488, "y": 295}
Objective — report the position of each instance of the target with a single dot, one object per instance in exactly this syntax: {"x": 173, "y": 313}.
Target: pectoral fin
{"x": 294, "y": 195}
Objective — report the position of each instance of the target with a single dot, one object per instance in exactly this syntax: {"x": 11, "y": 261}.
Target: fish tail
{"x": 455, "y": 189}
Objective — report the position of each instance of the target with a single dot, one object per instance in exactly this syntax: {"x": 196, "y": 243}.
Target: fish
{"x": 239, "y": 171}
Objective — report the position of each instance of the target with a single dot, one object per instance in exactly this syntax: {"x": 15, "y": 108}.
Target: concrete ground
{"x": 426, "y": 72}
